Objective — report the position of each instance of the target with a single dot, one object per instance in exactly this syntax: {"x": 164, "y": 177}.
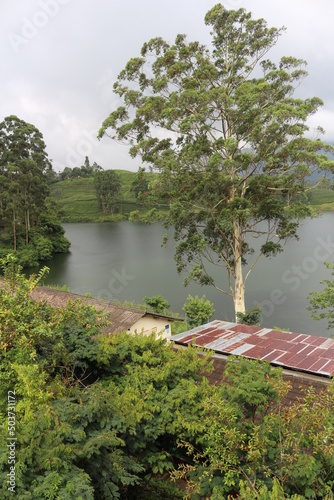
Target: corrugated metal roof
{"x": 288, "y": 349}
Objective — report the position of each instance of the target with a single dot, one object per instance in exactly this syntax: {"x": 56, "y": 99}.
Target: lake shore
{"x": 126, "y": 262}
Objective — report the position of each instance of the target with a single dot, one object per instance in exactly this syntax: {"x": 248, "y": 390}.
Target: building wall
{"x": 149, "y": 324}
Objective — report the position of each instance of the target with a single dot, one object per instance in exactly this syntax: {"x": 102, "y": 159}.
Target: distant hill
{"x": 76, "y": 200}
{"x": 322, "y": 198}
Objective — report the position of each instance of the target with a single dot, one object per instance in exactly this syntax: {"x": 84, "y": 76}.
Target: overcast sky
{"x": 59, "y": 59}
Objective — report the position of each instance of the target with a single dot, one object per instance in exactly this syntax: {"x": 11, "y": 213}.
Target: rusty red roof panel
{"x": 287, "y": 349}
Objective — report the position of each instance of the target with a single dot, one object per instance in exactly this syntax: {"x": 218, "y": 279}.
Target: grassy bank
{"x": 76, "y": 199}
{"x": 321, "y": 198}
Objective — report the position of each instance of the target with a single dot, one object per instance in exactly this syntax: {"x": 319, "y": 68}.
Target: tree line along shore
{"x": 76, "y": 199}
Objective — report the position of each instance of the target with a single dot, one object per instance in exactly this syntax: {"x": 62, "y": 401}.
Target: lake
{"x": 125, "y": 261}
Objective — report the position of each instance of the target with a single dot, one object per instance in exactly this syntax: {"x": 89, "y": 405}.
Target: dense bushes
{"x": 125, "y": 416}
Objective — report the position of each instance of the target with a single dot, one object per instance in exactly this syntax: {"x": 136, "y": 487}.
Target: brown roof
{"x": 121, "y": 318}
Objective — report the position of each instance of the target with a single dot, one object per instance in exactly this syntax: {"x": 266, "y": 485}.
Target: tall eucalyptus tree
{"x": 24, "y": 214}
{"x": 23, "y": 164}
{"x": 231, "y": 141}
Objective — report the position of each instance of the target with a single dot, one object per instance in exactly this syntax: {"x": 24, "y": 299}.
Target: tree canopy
{"x": 107, "y": 184}
{"x": 198, "y": 310}
{"x": 140, "y": 186}
{"x": 85, "y": 170}
{"x": 27, "y": 223}
{"x": 231, "y": 142}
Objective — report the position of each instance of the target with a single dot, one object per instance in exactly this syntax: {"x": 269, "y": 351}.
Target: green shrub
{"x": 250, "y": 316}
{"x": 198, "y": 310}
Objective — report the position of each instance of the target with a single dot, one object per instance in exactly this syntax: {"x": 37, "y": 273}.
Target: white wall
{"x": 149, "y": 324}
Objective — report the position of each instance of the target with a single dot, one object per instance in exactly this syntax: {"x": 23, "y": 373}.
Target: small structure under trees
{"x": 230, "y": 140}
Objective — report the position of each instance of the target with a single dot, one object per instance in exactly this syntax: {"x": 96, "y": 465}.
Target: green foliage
{"x": 322, "y": 303}
{"x": 86, "y": 170}
{"x": 250, "y": 317}
{"x": 112, "y": 417}
{"x": 28, "y": 257}
{"x": 140, "y": 186}
{"x": 253, "y": 445}
{"x": 107, "y": 184}
{"x": 28, "y": 225}
{"x": 262, "y": 493}
{"x": 234, "y": 158}
{"x": 76, "y": 200}
{"x": 157, "y": 303}
{"x": 198, "y": 310}
{"x": 95, "y": 416}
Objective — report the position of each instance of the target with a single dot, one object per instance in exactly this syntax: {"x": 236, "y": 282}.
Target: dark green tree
{"x": 140, "y": 185}
{"x": 86, "y": 162}
{"x": 96, "y": 167}
{"x": 76, "y": 172}
{"x": 86, "y": 170}
{"x": 23, "y": 165}
{"x": 65, "y": 174}
{"x": 107, "y": 184}
{"x": 251, "y": 316}
{"x": 234, "y": 155}
{"x": 51, "y": 177}
{"x": 24, "y": 187}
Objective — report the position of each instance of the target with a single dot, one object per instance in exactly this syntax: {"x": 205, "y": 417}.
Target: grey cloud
{"x": 60, "y": 58}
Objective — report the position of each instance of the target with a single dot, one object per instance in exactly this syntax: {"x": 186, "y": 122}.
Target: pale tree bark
{"x": 239, "y": 284}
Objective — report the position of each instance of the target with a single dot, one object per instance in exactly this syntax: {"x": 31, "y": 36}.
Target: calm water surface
{"x": 125, "y": 261}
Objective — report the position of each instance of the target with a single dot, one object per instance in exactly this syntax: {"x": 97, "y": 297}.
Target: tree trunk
{"x": 239, "y": 296}
{"x": 14, "y": 229}
{"x": 239, "y": 286}
{"x": 26, "y": 216}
